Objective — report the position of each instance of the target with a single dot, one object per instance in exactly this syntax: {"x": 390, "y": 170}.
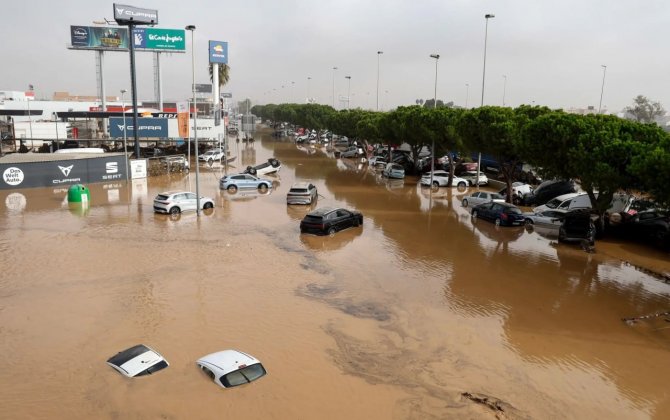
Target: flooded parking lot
{"x": 421, "y": 313}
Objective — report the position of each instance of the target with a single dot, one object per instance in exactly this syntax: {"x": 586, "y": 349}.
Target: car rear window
{"x": 242, "y": 376}
{"x": 298, "y": 190}
{"x": 162, "y": 197}
{"x": 313, "y": 219}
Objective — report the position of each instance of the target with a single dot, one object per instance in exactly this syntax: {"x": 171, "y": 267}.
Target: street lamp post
{"x": 308, "y": 100}
{"x": 432, "y": 147}
{"x": 486, "y": 34}
{"x": 125, "y": 130}
{"x": 467, "y": 94}
{"x": 504, "y": 87}
{"x": 602, "y": 89}
{"x": 334, "y": 68}
{"x": 348, "y": 91}
{"x": 195, "y": 121}
{"x": 378, "y": 54}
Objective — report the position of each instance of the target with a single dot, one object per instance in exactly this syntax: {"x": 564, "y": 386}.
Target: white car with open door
{"x": 231, "y": 368}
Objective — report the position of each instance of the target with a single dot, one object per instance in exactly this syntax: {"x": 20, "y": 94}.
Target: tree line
{"x": 604, "y": 153}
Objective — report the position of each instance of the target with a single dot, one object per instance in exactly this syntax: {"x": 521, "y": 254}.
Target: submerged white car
{"x": 231, "y": 368}
{"x": 138, "y": 360}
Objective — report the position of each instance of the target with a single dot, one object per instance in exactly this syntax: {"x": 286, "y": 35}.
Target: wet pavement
{"x": 421, "y": 313}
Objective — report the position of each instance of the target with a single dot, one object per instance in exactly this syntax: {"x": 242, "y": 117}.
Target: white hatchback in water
{"x": 175, "y": 202}
{"x": 231, "y": 368}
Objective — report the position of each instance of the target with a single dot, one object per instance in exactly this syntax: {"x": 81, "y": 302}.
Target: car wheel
{"x": 461, "y": 185}
{"x": 498, "y": 221}
{"x": 331, "y": 231}
{"x": 232, "y": 189}
{"x": 474, "y": 214}
{"x": 208, "y": 206}
{"x": 465, "y": 202}
{"x": 175, "y": 210}
{"x": 210, "y": 161}
{"x": 436, "y": 184}
{"x": 262, "y": 188}
{"x": 516, "y": 200}
{"x": 529, "y": 222}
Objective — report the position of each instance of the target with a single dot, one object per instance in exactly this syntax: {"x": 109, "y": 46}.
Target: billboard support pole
{"x": 133, "y": 87}
{"x": 101, "y": 86}
{"x": 158, "y": 84}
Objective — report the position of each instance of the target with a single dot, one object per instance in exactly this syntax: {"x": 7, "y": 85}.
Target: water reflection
{"x": 331, "y": 242}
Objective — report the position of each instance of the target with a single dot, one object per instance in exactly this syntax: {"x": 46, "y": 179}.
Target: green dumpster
{"x": 78, "y": 193}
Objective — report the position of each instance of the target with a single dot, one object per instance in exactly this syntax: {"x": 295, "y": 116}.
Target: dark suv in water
{"x": 328, "y": 220}
{"x": 577, "y": 226}
{"x": 548, "y": 190}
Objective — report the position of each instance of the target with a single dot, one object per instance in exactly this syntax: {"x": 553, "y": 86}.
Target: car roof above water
{"x": 322, "y": 211}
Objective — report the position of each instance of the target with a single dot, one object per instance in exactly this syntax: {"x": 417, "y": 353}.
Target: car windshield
{"x": 553, "y": 203}
{"x": 243, "y": 376}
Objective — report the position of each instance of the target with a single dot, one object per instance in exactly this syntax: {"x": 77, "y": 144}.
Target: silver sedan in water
{"x": 481, "y": 197}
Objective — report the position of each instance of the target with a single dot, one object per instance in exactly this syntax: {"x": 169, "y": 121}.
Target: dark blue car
{"x": 502, "y": 214}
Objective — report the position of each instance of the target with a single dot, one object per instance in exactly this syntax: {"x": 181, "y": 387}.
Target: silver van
{"x": 566, "y": 202}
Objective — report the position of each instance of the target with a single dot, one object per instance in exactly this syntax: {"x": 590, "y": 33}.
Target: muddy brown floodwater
{"x": 422, "y": 313}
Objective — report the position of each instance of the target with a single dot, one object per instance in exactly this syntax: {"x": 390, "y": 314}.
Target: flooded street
{"x": 422, "y": 313}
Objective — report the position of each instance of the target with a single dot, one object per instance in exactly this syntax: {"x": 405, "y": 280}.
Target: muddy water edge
{"x": 421, "y": 313}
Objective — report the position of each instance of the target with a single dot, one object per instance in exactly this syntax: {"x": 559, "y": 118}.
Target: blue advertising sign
{"x": 148, "y": 127}
{"x": 218, "y": 52}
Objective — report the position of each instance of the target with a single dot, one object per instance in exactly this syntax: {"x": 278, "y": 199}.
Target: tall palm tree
{"x": 224, "y": 75}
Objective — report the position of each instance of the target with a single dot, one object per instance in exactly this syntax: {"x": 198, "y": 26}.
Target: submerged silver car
{"x": 302, "y": 193}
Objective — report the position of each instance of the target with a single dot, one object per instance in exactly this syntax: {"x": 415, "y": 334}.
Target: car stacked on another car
{"x": 213, "y": 155}
{"x": 302, "y": 193}
{"x": 518, "y": 191}
{"x": 330, "y": 220}
{"x": 233, "y": 182}
{"x": 175, "y": 202}
{"x": 502, "y": 214}
{"x": 441, "y": 178}
{"x": 548, "y": 190}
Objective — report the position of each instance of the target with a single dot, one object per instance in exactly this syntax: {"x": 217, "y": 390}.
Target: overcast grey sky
{"x": 551, "y": 51}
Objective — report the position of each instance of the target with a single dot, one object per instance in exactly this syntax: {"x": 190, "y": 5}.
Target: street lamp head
{"x": 334, "y": 68}
{"x": 435, "y": 56}
{"x": 347, "y": 77}
{"x": 123, "y": 91}
{"x": 489, "y": 16}
{"x": 380, "y": 52}
{"x": 190, "y": 28}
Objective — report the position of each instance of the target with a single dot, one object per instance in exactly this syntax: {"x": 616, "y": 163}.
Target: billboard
{"x": 218, "y": 52}
{"x": 99, "y": 168}
{"x": 157, "y": 39}
{"x": 99, "y": 38}
{"x": 148, "y": 127}
{"x": 116, "y": 39}
{"x": 203, "y": 88}
{"x": 125, "y": 15}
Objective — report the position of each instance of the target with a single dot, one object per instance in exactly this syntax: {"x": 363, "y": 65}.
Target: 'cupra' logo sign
{"x": 65, "y": 169}
{"x": 142, "y": 127}
{"x": 135, "y": 13}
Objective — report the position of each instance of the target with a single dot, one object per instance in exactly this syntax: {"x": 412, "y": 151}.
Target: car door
{"x": 249, "y": 181}
{"x": 344, "y": 219}
{"x": 474, "y": 199}
{"x": 312, "y": 192}
{"x": 190, "y": 201}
